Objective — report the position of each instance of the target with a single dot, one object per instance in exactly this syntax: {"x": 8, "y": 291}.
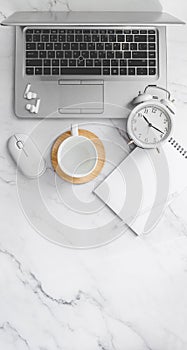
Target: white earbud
{"x": 142, "y": 97}
{"x": 29, "y": 95}
{"x": 33, "y": 108}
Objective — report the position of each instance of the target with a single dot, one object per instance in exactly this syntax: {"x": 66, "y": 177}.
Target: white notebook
{"x": 140, "y": 188}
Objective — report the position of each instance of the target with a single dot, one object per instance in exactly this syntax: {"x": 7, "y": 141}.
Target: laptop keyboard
{"x": 93, "y": 52}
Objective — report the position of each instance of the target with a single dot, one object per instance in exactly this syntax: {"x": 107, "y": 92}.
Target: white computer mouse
{"x": 26, "y": 155}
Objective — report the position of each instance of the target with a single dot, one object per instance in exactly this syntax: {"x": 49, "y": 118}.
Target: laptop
{"x": 87, "y": 64}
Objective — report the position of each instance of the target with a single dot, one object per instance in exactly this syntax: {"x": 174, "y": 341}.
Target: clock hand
{"x": 147, "y": 121}
{"x": 154, "y": 127}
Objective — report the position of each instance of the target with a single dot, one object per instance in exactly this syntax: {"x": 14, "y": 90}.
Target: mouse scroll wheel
{"x": 19, "y": 144}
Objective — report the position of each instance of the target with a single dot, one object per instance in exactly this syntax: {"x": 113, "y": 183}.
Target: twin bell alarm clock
{"x": 151, "y": 121}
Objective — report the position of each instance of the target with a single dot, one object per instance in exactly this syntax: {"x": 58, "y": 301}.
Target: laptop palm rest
{"x": 81, "y": 96}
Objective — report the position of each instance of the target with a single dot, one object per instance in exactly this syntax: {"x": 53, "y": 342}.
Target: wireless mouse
{"x": 26, "y": 155}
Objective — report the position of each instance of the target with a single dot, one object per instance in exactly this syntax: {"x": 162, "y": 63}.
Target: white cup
{"x": 77, "y": 155}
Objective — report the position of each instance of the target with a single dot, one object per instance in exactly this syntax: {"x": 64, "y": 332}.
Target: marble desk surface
{"x": 130, "y": 294}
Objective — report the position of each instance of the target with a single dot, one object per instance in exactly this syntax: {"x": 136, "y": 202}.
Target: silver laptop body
{"x": 86, "y": 87}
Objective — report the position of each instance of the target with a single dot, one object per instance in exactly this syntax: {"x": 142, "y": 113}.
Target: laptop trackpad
{"x": 81, "y": 96}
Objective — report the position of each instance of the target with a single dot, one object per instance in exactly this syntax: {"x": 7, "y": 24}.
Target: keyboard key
{"x": 55, "y": 62}
{"x": 74, "y": 46}
{"x": 70, "y": 38}
{"x": 40, "y": 46}
{"x": 141, "y": 71}
{"x": 72, "y": 62}
{"x": 114, "y": 71}
{"x": 86, "y": 31}
{"x": 47, "y": 62}
{"x": 102, "y": 54}
{"x": 140, "y": 38}
{"x": 142, "y": 46}
{"x": 87, "y": 38}
{"x": 68, "y": 54}
{"x": 76, "y": 54}
{"x": 55, "y": 71}
{"x": 152, "y": 71}
{"x": 135, "y": 31}
{"x": 29, "y": 31}
{"x": 99, "y": 46}
{"x": 91, "y": 46}
{"x": 61, "y": 38}
{"x": 106, "y": 71}
{"x": 85, "y": 54}
{"x": 31, "y": 54}
{"x": 70, "y": 31}
{"x": 37, "y": 31}
{"x": 143, "y": 31}
{"x": 34, "y": 62}
{"x": 81, "y": 71}
{"x": 133, "y": 46}
{"x": 66, "y": 46}
{"x": 123, "y": 71}
{"x": 137, "y": 62}
{"x": 119, "y": 31}
{"x": 53, "y": 38}
{"x": 29, "y": 37}
{"x": 78, "y": 38}
{"x": 29, "y": 71}
{"x": 46, "y": 31}
{"x": 102, "y": 31}
{"x": 151, "y": 31}
{"x": 97, "y": 63}
{"x": 106, "y": 63}
{"x": 80, "y": 62}
{"x": 116, "y": 46}
{"x": 152, "y": 54}
{"x": 139, "y": 54}
{"x": 112, "y": 38}
{"x": 38, "y": 71}
{"x": 121, "y": 38}
{"x": 78, "y": 31}
{"x": 59, "y": 54}
{"x": 151, "y": 38}
{"x": 131, "y": 71}
{"x": 127, "y": 54}
{"x": 30, "y": 46}
{"x": 50, "y": 54}
{"x": 93, "y": 54}
{"x": 110, "y": 54}
{"x": 95, "y": 38}
{"x": 118, "y": 54}
{"x": 129, "y": 38}
{"x": 54, "y": 31}
{"x": 114, "y": 62}
{"x": 104, "y": 38}
{"x": 45, "y": 38}
{"x": 64, "y": 62}
{"x": 94, "y": 31}
{"x": 152, "y": 46}
{"x": 152, "y": 62}
{"x": 36, "y": 37}
{"x": 49, "y": 46}
{"x": 57, "y": 46}
{"x": 108, "y": 46}
{"x": 110, "y": 31}
{"x": 42, "y": 54}
{"x": 127, "y": 31}
{"x": 123, "y": 62}
{"x": 89, "y": 63}
{"x": 83, "y": 46}
{"x": 125, "y": 46}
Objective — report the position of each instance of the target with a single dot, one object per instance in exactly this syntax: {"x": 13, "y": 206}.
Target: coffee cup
{"x": 77, "y": 155}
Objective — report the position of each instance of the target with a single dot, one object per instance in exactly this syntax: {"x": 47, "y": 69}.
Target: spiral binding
{"x": 178, "y": 147}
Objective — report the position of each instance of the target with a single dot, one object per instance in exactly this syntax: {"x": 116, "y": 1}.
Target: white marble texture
{"x": 127, "y": 295}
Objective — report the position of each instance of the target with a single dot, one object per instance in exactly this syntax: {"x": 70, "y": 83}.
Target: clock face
{"x": 150, "y": 125}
